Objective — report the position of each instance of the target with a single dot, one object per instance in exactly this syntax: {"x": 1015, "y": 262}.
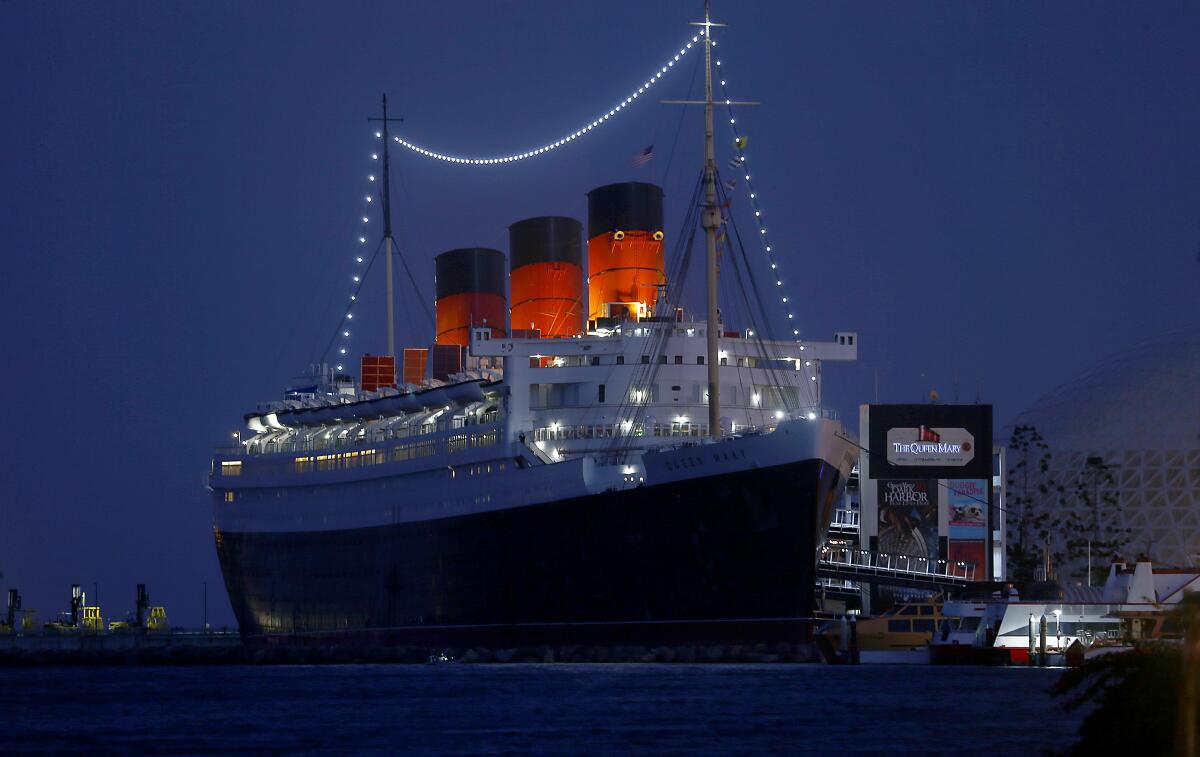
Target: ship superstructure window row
{"x": 740, "y": 361}
{"x": 351, "y": 435}
{"x": 360, "y": 458}
{"x": 558, "y": 432}
{"x": 734, "y": 396}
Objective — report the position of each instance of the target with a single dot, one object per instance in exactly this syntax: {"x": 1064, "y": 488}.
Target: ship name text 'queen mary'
{"x": 577, "y": 458}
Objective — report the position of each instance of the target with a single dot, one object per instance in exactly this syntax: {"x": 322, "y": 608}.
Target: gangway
{"x": 865, "y": 566}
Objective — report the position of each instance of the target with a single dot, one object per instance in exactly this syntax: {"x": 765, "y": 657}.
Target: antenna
{"x": 388, "y": 241}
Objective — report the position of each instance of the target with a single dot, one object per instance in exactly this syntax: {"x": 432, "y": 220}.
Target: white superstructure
{"x": 581, "y": 420}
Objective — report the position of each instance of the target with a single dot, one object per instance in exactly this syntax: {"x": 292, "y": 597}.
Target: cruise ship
{"x": 577, "y": 458}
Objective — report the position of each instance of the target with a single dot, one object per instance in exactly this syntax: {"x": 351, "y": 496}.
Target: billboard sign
{"x": 930, "y": 441}
{"x": 972, "y": 553}
{"x": 968, "y": 501}
{"x": 908, "y": 518}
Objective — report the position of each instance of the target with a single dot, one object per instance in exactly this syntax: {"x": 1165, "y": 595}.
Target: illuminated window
{"x": 228, "y": 496}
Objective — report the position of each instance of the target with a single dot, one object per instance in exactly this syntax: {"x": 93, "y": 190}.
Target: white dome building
{"x": 1139, "y": 411}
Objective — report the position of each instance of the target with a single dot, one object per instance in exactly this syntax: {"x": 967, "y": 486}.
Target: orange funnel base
{"x": 457, "y": 313}
{"x": 547, "y": 297}
{"x": 623, "y": 270}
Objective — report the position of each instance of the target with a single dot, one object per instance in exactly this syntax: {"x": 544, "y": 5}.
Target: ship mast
{"x": 389, "y": 243}
{"x": 711, "y": 221}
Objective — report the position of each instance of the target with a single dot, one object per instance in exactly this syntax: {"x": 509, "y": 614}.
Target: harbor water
{"x": 539, "y": 709}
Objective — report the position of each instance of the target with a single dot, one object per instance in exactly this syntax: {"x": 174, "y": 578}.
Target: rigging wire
{"x": 740, "y": 141}
{"x": 679, "y": 126}
{"x": 632, "y": 410}
{"x": 768, "y": 362}
{"x": 758, "y": 298}
{"x": 348, "y": 314}
{"x": 413, "y": 280}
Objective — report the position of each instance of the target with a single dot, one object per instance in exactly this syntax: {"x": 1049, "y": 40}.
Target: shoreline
{"x": 239, "y": 654}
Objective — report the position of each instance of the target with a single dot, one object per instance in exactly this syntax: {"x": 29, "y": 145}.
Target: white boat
{"x": 1072, "y": 623}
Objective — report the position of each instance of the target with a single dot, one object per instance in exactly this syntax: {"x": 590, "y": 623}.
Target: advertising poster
{"x": 967, "y": 504}
{"x": 967, "y": 499}
{"x": 970, "y": 552}
{"x": 908, "y": 518}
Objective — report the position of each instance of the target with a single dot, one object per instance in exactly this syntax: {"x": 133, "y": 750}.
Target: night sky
{"x": 993, "y": 195}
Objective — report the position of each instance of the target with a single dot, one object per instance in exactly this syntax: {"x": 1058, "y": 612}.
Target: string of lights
{"x": 344, "y": 331}
{"x": 357, "y": 279}
{"x": 600, "y": 120}
{"x": 738, "y": 162}
{"x": 743, "y": 171}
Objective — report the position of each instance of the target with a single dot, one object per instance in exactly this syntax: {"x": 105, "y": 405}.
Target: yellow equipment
{"x": 157, "y": 622}
{"x": 92, "y": 622}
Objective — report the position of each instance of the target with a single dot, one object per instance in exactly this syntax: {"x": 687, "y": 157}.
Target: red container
{"x": 445, "y": 359}
{"x": 415, "y": 360}
{"x": 377, "y": 371}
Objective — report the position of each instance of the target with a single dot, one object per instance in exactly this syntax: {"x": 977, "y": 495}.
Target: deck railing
{"x": 880, "y": 564}
{"x": 845, "y": 520}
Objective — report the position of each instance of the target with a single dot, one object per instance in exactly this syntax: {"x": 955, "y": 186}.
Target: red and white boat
{"x": 1059, "y": 625}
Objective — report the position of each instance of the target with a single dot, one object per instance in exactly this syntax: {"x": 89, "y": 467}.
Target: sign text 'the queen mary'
{"x": 930, "y": 446}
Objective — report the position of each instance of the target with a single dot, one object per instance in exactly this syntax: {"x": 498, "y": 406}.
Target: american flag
{"x": 643, "y": 157}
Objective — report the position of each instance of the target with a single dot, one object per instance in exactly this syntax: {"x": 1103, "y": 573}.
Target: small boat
{"x": 1062, "y": 625}
{"x": 897, "y": 636}
{"x": 904, "y": 626}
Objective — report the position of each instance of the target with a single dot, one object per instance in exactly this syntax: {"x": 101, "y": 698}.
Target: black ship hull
{"x": 717, "y": 558}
